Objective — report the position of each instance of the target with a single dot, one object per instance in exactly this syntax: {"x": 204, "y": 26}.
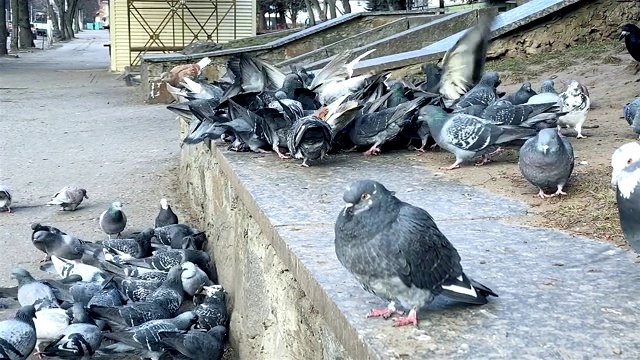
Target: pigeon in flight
{"x": 396, "y": 251}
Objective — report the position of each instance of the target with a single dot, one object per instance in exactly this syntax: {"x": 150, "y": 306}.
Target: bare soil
{"x": 589, "y": 209}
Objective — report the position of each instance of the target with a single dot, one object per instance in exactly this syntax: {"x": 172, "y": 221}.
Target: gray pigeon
{"x": 79, "y": 340}
{"x": 173, "y": 234}
{"x": 18, "y": 335}
{"x": 166, "y": 216}
{"x": 143, "y": 340}
{"x": 547, "y": 161}
{"x": 69, "y": 198}
{"x": 211, "y": 307}
{"x": 484, "y": 93}
{"x": 138, "y": 289}
{"x": 193, "y": 278}
{"x": 163, "y": 303}
{"x": 632, "y": 115}
{"x": 522, "y": 95}
{"x": 548, "y": 94}
{"x": 309, "y": 139}
{"x": 503, "y": 112}
{"x": 165, "y": 260}
{"x": 113, "y": 220}
{"x": 376, "y": 128}
{"x": 548, "y": 86}
{"x": 52, "y": 241}
{"x": 197, "y": 345}
{"x": 396, "y": 252}
{"x": 31, "y": 291}
{"x": 5, "y": 198}
{"x": 625, "y": 177}
{"x": 467, "y": 136}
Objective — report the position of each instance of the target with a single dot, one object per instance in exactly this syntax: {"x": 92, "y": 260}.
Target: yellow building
{"x": 139, "y": 27}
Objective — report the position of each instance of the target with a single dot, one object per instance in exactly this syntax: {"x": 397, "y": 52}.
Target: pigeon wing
{"x": 470, "y": 133}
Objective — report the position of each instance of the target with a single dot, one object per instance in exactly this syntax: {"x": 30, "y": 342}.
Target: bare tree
{"x": 25, "y": 36}
{"x": 14, "y": 26}
{"x": 346, "y": 6}
{"x": 331, "y": 4}
{"x": 3, "y": 29}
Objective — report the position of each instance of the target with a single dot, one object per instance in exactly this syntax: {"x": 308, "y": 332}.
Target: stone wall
{"x": 582, "y": 23}
{"x": 271, "y": 317}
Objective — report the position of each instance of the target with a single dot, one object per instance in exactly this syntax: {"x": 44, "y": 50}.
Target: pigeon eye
{"x": 365, "y": 196}
{"x": 629, "y": 161}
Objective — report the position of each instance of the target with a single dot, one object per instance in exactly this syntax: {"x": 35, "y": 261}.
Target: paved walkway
{"x": 65, "y": 120}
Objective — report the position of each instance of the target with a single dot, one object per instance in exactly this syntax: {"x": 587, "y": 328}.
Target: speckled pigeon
{"x": 467, "y": 136}
{"x": 211, "y": 307}
{"x": 522, "y": 95}
{"x": 163, "y": 303}
{"x": 547, "y": 161}
{"x": 113, "y": 220}
{"x": 503, "y": 112}
{"x": 125, "y": 249}
{"x": 396, "y": 252}
{"x": 18, "y": 335}
{"x": 143, "y": 340}
{"x": 69, "y": 198}
{"x": 632, "y": 115}
{"x": 197, "y": 345}
{"x": 626, "y": 178}
{"x": 80, "y": 339}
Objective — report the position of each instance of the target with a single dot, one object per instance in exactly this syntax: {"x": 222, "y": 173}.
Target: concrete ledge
{"x": 270, "y": 225}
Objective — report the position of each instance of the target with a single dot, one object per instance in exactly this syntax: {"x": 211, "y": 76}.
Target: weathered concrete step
{"x": 508, "y": 21}
{"x": 359, "y": 40}
{"x": 407, "y": 40}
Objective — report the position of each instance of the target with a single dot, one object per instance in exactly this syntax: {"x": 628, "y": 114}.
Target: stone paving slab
{"x": 561, "y": 296}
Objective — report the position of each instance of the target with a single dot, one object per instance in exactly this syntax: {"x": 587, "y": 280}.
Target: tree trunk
{"x": 262, "y": 21}
{"x": 3, "y": 30}
{"x": 441, "y": 4}
{"x": 69, "y": 15}
{"x": 55, "y": 24}
{"x": 316, "y": 5}
{"x": 25, "y": 36}
{"x": 282, "y": 19}
{"x": 312, "y": 16}
{"x": 61, "y": 5}
{"x": 14, "y": 26}
{"x": 346, "y": 6}
{"x": 332, "y": 8}
{"x": 294, "y": 19}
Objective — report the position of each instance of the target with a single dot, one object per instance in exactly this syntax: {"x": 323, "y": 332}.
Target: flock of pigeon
{"x": 150, "y": 295}
{"x": 307, "y": 115}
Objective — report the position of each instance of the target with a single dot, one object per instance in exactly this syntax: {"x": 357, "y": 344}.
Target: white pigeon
{"x": 576, "y": 103}
{"x": 50, "y": 323}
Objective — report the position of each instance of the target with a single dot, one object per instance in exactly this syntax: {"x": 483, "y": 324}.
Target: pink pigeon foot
{"x": 385, "y": 313}
{"x": 455, "y": 165}
{"x": 263, "y": 151}
{"x": 412, "y": 318}
{"x": 373, "y": 151}
{"x": 542, "y": 195}
{"x": 304, "y": 163}
{"x": 281, "y": 155}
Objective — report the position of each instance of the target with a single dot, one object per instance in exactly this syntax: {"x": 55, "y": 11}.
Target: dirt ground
{"x": 589, "y": 209}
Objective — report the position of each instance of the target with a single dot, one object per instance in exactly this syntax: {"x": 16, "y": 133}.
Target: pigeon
{"x": 631, "y": 35}
{"x": 463, "y": 64}
{"x": 309, "y": 139}
{"x": 18, "y": 335}
{"x": 65, "y": 268}
{"x": 173, "y": 234}
{"x": 52, "y": 241}
{"x": 467, "y": 136}
{"x": 503, "y": 112}
{"x": 276, "y": 124}
{"x": 125, "y": 249}
{"x": 5, "y": 198}
{"x": 522, "y": 95}
{"x": 396, "y": 252}
{"x": 106, "y": 297}
{"x": 175, "y": 77}
{"x": 143, "y": 340}
{"x": 547, "y": 94}
{"x": 136, "y": 289}
{"x": 166, "y": 216}
{"x": 31, "y": 291}
{"x": 69, "y": 198}
{"x": 625, "y": 177}
{"x": 376, "y": 128}
{"x": 49, "y": 324}
{"x": 576, "y": 103}
{"x": 80, "y": 339}
{"x": 163, "y": 303}
{"x": 632, "y": 115}
{"x": 193, "y": 278}
{"x": 197, "y": 345}
{"x": 83, "y": 292}
{"x": 484, "y": 93}
{"x": 546, "y": 161}
{"x": 210, "y": 307}
{"x": 113, "y": 220}
{"x": 165, "y": 260}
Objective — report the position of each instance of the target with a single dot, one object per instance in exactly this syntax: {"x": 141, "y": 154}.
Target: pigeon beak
{"x": 623, "y": 34}
{"x": 545, "y": 148}
{"x": 346, "y": 207}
